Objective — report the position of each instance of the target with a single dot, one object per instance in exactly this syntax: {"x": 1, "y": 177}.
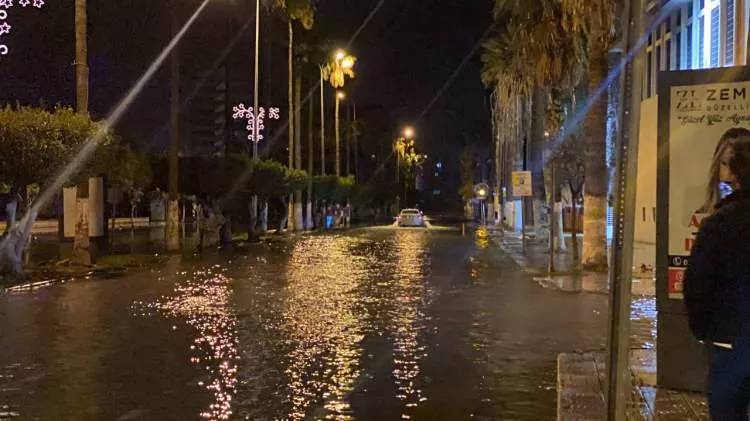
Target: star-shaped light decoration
{"x": 5, "y": 26}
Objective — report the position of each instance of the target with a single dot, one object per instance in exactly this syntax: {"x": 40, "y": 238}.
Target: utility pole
{"x": 338, "y": 135}
{"x": 621, "y": 271}
{"x": 256, "y": 104}
{"x": 172, "y": 225}
{"x": 256, "y": 84}
{"x": 81, "y": 63}
{"x": 82, "y": 242}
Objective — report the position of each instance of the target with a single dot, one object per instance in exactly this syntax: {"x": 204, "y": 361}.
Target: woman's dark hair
{"x": 739, "y": 164}
{"x": 713, "y": 195}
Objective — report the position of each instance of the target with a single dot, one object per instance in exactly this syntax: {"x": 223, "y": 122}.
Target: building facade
{"x": 696, "y": 34}
{"x": 684, "y": 35}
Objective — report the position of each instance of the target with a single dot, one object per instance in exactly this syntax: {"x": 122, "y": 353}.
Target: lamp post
{"x": 340, "y": 96}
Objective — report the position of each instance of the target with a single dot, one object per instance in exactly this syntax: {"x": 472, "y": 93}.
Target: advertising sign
{"x": 698, "y": 117}
{"x": 696, "y": 108}
{"x": 522, "y": 183}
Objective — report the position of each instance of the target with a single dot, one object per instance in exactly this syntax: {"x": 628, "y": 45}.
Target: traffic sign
{"x": 522, "y": 184}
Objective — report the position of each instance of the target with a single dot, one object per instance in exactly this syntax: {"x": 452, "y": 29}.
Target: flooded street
{"x": 373, "y": 324}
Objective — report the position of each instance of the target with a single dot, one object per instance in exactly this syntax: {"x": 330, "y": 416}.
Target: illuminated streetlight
{"x": 340, "y": 55}
{"x": 347, "y": 62}
{"x": 340, "y": 95}
{"x": 409, "y": 133}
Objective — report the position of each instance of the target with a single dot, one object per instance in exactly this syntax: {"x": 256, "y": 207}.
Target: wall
{"x": 645, "y": 208}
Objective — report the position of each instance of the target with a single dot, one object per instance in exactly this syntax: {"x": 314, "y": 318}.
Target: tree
{"x": 467, "y": 164}
{"x": 40, "y": 142}
{"x": 594, "y": 18}
{"x": 332, "y": 189}
{"x": 531, "y": 53}
{"x": 270, "y": 179}
{"x": 304, "y": 12}
{"x": 128, "y": 172}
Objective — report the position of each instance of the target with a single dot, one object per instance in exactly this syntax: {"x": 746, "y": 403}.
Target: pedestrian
{"x": 717, "y": 282}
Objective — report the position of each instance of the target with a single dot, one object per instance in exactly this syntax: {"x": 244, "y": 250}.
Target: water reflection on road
{"x": 372, "y": 324}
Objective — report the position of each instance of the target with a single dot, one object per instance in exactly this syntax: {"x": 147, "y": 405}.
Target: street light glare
{"x": 341, "y": 95}
{"x": 409, "y": 132}
{"x": 347, "y": 62}
{"x": 340, "y": 54}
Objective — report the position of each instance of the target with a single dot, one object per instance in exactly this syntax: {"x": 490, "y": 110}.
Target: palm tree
{"x": 595, "y": 19}
{"x": 531, "y": 53}
{"x": 304, "y": 12}
{"x": 336, "y": 72}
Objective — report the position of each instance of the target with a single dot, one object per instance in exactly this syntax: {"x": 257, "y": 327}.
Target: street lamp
{"x": 347, "y": 62}
{"x": 340, "y": 96}
{"x": 409, "y": 132}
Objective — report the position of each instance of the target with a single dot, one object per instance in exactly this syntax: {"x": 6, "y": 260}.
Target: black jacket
{"x": 717, "y": 282}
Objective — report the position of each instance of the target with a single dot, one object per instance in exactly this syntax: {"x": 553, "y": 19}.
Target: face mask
{"x": 725, "y": 189}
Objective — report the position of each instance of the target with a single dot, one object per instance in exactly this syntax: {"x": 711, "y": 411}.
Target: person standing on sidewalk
{"x": 717, "y": 282}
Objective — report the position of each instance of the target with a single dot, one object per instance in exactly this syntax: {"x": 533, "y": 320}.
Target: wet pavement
{"x": 373, "y": 324}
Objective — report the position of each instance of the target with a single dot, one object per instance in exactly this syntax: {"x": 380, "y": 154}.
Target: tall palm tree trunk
{"x": 322, "y": 126}
{"x": 290, "y": 202}
{"x": 81, "y": 242}
{"x": 299, "y": 222}
{"x": 536, "y": 155}
{"x": 310, "y": 156}
{"x": 348, "y": 141}
{"x": 594, "y": 254}
{"x": 173, "y": 212}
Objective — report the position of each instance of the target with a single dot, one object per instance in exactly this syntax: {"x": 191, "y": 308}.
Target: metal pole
{"x": 356, "y": 144}
{"x": 257, "y": 80}
{"x": 338, "y": 138}
{"x": 618, "y": 361}
{"x": 553, "y": 219}
{"x": 524, "y": 199}
{"x": 322, "y": 125}
{"x": 256, "y": 104}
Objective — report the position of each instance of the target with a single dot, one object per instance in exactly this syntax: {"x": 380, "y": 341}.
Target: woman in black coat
{"x": 717, "y": 282}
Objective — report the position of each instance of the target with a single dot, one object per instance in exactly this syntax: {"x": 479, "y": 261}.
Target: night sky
{"x": 406, "y": 54}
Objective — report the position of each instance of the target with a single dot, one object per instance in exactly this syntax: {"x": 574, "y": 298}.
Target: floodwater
{"x": 373, "y": 324}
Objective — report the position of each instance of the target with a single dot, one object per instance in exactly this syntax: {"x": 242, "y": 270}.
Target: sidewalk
{"x": 569, "y": 277}
{"x": 580, "y": 381}
{"x": 50, "y": 226}
{"x": 580, "y": 385}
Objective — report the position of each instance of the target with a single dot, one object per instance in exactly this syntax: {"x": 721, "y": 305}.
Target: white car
{"x": 410, "y": 218}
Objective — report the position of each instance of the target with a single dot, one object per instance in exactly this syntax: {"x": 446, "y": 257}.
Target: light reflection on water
{"x": 203, "y": 302}
{"x": 371, "y": 325}
{"x": 643, "y": 322}
{"x": 320, "y": 324}
{"x": 408, "y": 317}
